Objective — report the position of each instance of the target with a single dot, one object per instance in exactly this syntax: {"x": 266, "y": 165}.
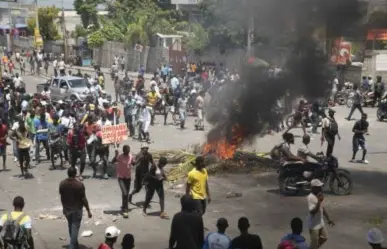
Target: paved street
{"x": 269, "y": 213}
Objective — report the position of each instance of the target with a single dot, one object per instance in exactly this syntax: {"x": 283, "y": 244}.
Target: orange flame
{"x": 223, "y": 148}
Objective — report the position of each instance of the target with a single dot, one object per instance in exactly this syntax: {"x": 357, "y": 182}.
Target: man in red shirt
{"x": 10, "y": 66}
{"x": 3, "y": 142}
{"x": 76, "y": 141}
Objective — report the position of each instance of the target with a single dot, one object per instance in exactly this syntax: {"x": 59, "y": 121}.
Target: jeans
{"x": 74, "y": 222}
{"x": 37, "y": 149}
{"x": 125, "y": 188}
{"x": 24, "y": 159}
{"x": 183, "y": 116}
{"x": 354, "y": 107}
{"x": 331, "y": 143}
{"x": 92, "y": 160}
{"x": 75, "y": 154}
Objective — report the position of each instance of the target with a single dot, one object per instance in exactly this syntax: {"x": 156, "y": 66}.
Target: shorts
{"x": 358, "y": 143}
{"x": 316, "y": 235}
{"x": 200, "y": 206}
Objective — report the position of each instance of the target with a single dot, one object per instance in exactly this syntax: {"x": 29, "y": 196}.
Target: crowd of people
{"x": 72, "y": 132}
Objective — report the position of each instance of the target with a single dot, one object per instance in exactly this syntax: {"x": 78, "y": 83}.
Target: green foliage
{"x": 48, "y": 19}
{"x": 87, "y": 9}
{"x": 96, "y": 39}
{"x": 79, "y": 31}
{"x": 197, "y": 40}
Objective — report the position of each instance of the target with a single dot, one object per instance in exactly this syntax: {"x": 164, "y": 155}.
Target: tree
{"x": 87, "y": 10}
{"x": 197, "y": 40}
{"x": 96, "y": 39}
{"x": 48, "y": 22}
{"x": 79, "y": 31}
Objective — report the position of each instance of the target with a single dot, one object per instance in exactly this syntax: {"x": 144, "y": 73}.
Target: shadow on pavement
{"x": 80, "y": 247}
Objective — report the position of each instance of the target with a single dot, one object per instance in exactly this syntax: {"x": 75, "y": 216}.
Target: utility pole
{"x": 38, "y": 37}
{"x": 64, "y": 32}
{"x": 250, "y": 36}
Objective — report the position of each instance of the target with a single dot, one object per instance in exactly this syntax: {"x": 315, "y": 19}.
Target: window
{"x": 55, "y": 83}
{"x": 77, "y": 83}
{"x": 63, "y": 84}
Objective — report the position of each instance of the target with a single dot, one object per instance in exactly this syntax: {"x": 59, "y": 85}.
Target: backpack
{"x": 275, "y": 153}
{"x": 12, "y": 233}
{"x": 287, "y": 244}
{"x": 333, "y": 128}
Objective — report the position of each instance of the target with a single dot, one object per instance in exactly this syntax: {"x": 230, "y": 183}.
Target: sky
{"x": 68, "y": 4}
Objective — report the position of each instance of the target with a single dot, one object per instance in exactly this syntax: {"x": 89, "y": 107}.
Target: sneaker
{"x": 15, "y": 159}
{"x": 105, "y": 176}
{"x": 364, "y": 161}
{"x": 125, "y": 215}
{"x": 163, "y": 215}
{"x": 352, "y": 161}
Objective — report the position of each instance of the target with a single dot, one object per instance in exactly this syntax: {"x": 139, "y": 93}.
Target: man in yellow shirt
{"x": 197, "y": 185}
{"x": 24, "y": 222}
{"x": 152, "y": 99}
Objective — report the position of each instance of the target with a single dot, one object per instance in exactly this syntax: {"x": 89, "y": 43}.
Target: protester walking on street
{"x": 155, "y": 183}
{"x": 358, "y": 141}
{"x": 379, "y": 90}
{"x": 73, "y": 198}
{"x": 197, "y": 185}
{"x": 143, "y": 160}
{"x": 357, "y": 99}
{"x": 317, "y": 212}
{"x": 125, "y": 163}
{"x": 329, "y": 131}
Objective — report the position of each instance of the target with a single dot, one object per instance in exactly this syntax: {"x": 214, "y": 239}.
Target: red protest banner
{"x": 114, "y": 134}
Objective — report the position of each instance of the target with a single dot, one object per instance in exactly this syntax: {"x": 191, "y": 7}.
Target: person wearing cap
{"x": 187, "y": 229}
{"x": 111, "y": 235}
{"x": 357, "y": 100}
{"x": 329, "y": 131}
{"x": 375, "y": 238}
{"x": 114, "y": 112}
{"x": 152, "y": 98}
{"x": 246, "y": 239}
{"x": 144, "y": 120}
{"x": 143, "y": 161}
{"x": 317, "y": 212}
{"x": 127, "y": 241}
{"x": 358, "y": 141}
{"x": 219, "y": 239}
{"x": 197, "y": 185}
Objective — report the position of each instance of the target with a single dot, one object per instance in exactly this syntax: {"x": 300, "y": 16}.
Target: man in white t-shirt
{"x": 17, "y": 80}
{"x": 55, "y": 66}
{"x": 316, "y": 224}
{"x": 62, "y": 67}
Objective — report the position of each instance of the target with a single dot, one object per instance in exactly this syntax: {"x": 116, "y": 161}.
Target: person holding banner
{"x": 91, "y": 128}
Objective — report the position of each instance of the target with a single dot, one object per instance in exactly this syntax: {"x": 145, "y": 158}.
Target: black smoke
{"x": 289, "y": 27}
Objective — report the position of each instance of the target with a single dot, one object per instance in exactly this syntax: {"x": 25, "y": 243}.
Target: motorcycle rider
{"x": 304, "y": 152}
{"x": 286, "y": 154}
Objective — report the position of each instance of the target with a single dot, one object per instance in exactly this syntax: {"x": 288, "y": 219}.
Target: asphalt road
{"x": 269, "y": 213}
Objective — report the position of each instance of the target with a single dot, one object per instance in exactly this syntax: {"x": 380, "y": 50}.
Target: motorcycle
{"x": 367, "y": 99}
{"x": 307, "y": 119}
{"x": 292, "y": 180}
{"x": 381, "y": 112}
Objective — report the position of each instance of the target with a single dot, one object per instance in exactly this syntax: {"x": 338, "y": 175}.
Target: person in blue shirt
{"x": 41, "y": 127}
{"x": 295, "y": 236}
{"x": 218, "y": 240}
{"x": 164, "y": 72}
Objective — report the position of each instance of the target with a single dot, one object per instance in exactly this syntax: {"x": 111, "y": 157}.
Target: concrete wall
{"x": 150, "y": 57}
{"x": 369, "y": 67}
